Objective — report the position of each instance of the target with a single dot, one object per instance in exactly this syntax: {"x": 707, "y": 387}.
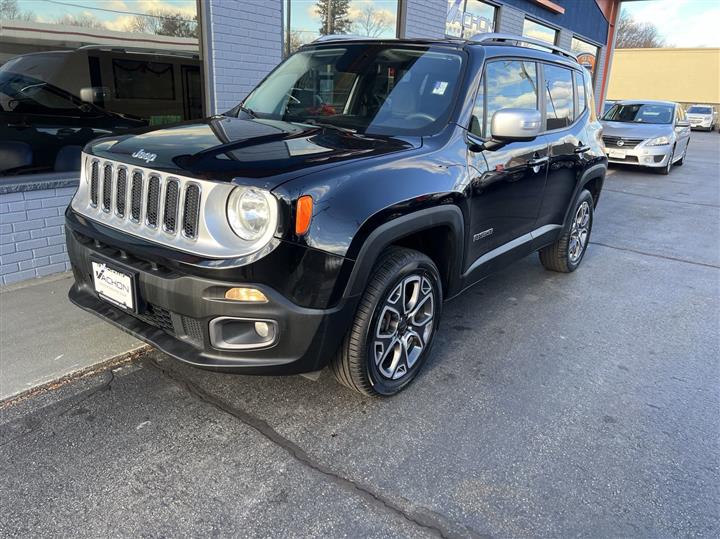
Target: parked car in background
{"x": 325, "y": 219}
{"x": 702, "y": 117}
{"x": 607, "y": 105}
{"x": 652, "y": 134}
{"x": 52, "y": 103}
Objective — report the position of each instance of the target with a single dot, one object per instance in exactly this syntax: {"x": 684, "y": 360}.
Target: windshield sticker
{"x": 440, "y": 87}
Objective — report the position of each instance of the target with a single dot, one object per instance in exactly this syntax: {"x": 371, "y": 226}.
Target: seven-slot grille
{"x": 626, "y": 142}
{"x": 153, "y": 199}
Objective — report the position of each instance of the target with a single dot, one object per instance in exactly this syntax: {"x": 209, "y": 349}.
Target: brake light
{"x": 303, "y": 214}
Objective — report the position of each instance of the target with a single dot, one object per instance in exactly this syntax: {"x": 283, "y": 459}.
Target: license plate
{"x": 113, "y": 285}
{"x": 616, "y": 154}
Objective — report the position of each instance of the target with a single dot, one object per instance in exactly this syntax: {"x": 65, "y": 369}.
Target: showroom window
{"x": 306, "y": 20}
{"x": 539, "y": 31}
{"x": 74, "y": 71}
{"x": 587, "y": 54}
{"x": 465, "y": 18}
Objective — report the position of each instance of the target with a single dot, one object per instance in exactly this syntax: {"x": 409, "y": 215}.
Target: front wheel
{"x": 392, "y": 333}
{"x": 668, "y": 166}
{"x": 568, "y": 251}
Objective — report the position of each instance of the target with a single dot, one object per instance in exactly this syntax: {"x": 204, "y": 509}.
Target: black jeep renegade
{"x": 326, "y": 218}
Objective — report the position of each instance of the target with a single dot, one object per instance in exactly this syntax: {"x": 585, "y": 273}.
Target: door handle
{"x": 538, "y": 161}
{"x": 581, "y": 148}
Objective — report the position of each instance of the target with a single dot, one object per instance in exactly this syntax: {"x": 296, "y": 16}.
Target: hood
{"x": 635, "y": 131}
{"x": 700, "y": 115}
{"x": 264, "y": 152}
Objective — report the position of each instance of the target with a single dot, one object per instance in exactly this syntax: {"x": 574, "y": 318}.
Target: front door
{"x": 507, "y": 180}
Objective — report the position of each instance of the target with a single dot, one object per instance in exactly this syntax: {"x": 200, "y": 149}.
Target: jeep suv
{"x": 326, "y": 218}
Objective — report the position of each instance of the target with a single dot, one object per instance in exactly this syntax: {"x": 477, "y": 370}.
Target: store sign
{"x": 587, "y": 60}
{"x": 464, "y": 23}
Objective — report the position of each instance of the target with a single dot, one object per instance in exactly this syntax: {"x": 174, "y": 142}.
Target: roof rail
{"x": 503, "y": 38}
{"x": 342, "y": 37}
{"x": 140, "y": 50}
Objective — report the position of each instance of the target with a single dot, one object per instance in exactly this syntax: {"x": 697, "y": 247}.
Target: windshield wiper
{"x": 312, "y": 121}
{"x": 250, "y": 112}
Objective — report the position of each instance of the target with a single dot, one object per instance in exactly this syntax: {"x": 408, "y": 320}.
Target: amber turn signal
{"x": 303, "y": 214}
{"x": 246, "y": 294}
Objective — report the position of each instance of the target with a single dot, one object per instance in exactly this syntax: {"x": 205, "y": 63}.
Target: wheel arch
{"x": 592, "y": 179}
{"x": 436, "y": 232}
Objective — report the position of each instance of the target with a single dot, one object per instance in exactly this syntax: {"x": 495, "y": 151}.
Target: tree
{"x": 296, "y": 40}
{"x": 10, "y": 11}
{"x": 83, "y": 19}
{"x": 371, "y": 23}
{"x": 333, "y": 16}
{"x": 163, "y": 23}
{"x": 632, "y": 34}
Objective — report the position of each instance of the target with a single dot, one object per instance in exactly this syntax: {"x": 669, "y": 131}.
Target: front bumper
{"x": 705, "y": 123}
{"x": 175, "y": 311}
{"x": 644, "y": 156}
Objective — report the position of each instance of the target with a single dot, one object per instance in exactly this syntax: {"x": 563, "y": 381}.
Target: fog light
{"x": 262, "y": 329}
{"x": 246, "y": 294}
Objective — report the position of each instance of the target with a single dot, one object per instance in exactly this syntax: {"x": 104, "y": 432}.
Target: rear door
{"x": 507, "y": 181}
{"x": 565, "y": 110}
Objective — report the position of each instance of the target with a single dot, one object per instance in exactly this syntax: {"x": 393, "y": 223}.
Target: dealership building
{"x": 113, "y": 69}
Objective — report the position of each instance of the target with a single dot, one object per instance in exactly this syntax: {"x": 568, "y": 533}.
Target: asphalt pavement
{"x": 554, "y": 405}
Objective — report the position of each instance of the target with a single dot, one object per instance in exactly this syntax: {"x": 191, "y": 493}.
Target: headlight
{"x": 659, "y": 141}
{"x": 251, "y": 213}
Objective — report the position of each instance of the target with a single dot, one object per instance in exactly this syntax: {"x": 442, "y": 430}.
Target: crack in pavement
{"x": 655, "y": 255}
{"x": 85, "y": 396}
{"x": 423, "y": 517}
{"x": 661, "y": 198}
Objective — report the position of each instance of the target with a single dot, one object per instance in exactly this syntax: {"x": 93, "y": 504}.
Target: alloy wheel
{"x": 404, "y": 327}
{"x": 579, "y": 232}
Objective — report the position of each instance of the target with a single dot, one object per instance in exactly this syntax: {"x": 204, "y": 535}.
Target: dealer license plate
{"x": 616, "y": 154}
{"x": 113, "y": 285}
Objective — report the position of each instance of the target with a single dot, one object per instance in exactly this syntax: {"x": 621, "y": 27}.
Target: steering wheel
{"x": 420, "y": 115}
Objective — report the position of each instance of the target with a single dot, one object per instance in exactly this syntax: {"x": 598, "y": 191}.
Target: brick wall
{"x": 425, "y": 18}
{"x": 510, "y": 20}
{"x": 245, "y": 42}
{"x": 32, "y": 236}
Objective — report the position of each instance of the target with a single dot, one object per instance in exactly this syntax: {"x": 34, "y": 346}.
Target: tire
{"x": 563, "y": 255}
{"x": 376, "y": 356}
{"x": 668, "y": 166}
{"x": 682, "y": 159}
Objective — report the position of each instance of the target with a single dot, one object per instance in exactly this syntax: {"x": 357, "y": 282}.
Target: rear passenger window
{"x": 558, "y": 97}
{"x": 580, "y": 92}
{"x": 509, "y": 84}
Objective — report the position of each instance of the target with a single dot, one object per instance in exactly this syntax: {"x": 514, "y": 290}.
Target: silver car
{"x": 702, "y": 117}
{"x": 646, "y": 133}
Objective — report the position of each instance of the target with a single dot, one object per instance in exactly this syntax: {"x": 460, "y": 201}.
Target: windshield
{"x": 641, "y": 113}
{"x": 21, "y": 94}
{"x": 380, "y": 89}
{"x": 700, "y": 110}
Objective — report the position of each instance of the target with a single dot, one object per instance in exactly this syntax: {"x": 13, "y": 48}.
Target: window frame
{"x": 540, "y": 66}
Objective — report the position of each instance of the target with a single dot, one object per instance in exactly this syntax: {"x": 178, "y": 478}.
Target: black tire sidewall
{"x": 585, "y": 196}
{"x": 380, "y": 384}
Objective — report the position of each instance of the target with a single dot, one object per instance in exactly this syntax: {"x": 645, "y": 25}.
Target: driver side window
{"x": 505, "y": 84}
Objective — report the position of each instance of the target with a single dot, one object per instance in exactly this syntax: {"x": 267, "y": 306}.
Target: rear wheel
{"x": 568, "y": 251}
{"x": 392, "y": 333}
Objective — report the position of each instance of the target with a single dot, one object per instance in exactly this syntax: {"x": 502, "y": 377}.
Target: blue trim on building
{"x": 582, "y": 17}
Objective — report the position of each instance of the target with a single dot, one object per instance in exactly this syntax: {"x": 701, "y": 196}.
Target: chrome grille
{"x": 153, "y": 201}
{"x": 180, "y": 212}
{"x": 94, "y": 183}
{"x": 626, "y": 142}
{"x": 121, "y": 192}
{"x": 191, "y": 211}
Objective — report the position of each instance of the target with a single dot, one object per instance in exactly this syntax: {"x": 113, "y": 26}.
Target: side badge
{"x": 483, "y": 234}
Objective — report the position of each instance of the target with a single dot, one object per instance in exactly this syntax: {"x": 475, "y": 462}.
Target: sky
{"x": 683, "y": 23}
{"x": 104, "y": 10}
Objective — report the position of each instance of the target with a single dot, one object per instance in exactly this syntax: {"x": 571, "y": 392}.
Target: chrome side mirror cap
{"x": 516, "y": 124}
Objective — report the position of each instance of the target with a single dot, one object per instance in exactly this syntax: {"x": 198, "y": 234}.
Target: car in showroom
{"x": 653, "y": 134}
{"x": 326, "y": 218}
{"x": 702, "y": 117}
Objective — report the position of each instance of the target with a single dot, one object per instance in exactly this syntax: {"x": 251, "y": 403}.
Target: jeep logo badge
{"x": 145, "y": 156}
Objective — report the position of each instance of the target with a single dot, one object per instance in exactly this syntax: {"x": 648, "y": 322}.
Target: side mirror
{"x": 94, "y": 94}
{"x": 682, "y": 123}
{"x": 515, "y": 124}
